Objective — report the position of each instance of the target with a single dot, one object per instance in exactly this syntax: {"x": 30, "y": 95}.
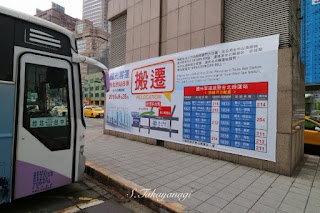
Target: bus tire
{"x": 91, "y": 115}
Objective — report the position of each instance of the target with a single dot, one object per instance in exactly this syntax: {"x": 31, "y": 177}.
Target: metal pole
{"x": 174, "y": 107}
{"x": 149, "y": 121}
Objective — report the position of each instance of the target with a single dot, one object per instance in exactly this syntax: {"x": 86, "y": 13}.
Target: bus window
{"x": 46, "y": 106}
{"x": 6, "y": 50}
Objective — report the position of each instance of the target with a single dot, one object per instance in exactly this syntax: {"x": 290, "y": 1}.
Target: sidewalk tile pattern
{"x": 216, "y": 186}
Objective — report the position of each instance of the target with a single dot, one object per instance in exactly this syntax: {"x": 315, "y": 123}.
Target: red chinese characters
{"x": 228, "y": 89}
{"x": 153, "y": 104}
{"x": 141, "y": 80}
{"x": 158, "y": 78}
{"x": 165, "y": 111}
{"x": 153, "y": 78}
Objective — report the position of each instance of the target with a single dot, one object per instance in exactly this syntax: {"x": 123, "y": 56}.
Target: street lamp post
{"x": 89, "y": 95}
{"x": 87, "y": 87}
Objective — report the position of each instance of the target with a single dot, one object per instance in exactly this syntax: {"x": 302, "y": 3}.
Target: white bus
{"x": 41, "y": 108}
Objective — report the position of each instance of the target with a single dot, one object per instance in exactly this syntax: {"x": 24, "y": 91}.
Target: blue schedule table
{"x": 233, "y": 115}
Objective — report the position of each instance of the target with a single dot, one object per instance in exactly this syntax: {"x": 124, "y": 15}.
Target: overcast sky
{"x": 72, "y": 7}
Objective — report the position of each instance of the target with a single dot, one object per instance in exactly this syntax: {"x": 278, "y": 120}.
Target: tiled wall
{"x": 189, "y": 24}
{"x": 143, "y": 27}
{"x": 160, "y": 27}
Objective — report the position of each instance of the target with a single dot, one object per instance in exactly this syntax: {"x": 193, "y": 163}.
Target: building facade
{"x": 56, "y": 15}
{"x": 310, "y": 44}
{"x": 310, "y": 40}
{"x": 93, "y": 89}
{"x": 91, "y": 41}
{"x": 144, "y": 29}
{"x": 96, "y": 11}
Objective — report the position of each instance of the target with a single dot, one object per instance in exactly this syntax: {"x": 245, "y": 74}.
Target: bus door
{"x": 46, "y": 127}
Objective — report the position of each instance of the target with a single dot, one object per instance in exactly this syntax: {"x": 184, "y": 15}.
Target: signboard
{"x": 48, "y": 122}
{"x": 315, "y": 2}
{"x": 221, "y": 97}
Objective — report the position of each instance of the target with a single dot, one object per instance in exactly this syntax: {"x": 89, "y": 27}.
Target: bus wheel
{"x": 91, "y": 115}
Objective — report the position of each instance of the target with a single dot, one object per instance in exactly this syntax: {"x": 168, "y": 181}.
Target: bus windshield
{"x": 45, "y": 87}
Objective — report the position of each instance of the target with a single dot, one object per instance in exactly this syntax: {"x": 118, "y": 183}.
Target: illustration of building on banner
{"x": 119, "y": 117}
{"x": 233, "y": 115}
{"x": 148, "y": 121}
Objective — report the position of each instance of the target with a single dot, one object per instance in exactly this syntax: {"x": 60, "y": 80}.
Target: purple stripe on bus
{"x": 32, "y": 179}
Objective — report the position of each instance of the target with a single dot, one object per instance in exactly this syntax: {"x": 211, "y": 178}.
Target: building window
{"x": 236, "y": 27}
{"x": 102, "y": 94}
{"x": 102, "y": 87}
{"x": 7, "y": 43}
{"x": 118, "y": 41}
{"x": 80, "y": 28}
{"x": 96, "y": 95}
{"x": 81, "y": 42}
{"x": 97, "y": 87}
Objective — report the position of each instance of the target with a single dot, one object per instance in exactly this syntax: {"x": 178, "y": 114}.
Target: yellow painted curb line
{"x": 76, "y": 208}
{"x": 129, "y": 185}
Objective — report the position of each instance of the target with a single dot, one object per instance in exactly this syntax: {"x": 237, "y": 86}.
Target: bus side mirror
{"x": 106, "y": 80}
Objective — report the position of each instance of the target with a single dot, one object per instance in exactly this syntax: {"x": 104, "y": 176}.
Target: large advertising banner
{"x": 221, "y": 97}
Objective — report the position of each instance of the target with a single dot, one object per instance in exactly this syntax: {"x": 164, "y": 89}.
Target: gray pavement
{"x": 216, "y": 186}
{"x": 76, "y": 197}
{"x": 85, "y": 196}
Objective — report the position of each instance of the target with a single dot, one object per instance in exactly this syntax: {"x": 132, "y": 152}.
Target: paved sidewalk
{"x": 216, "y": 186}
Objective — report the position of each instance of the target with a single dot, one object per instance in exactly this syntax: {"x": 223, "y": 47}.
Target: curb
{"x": 126, "y": 187}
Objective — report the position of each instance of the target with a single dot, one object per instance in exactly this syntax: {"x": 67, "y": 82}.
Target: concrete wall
{"x": 156, "y": 28}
